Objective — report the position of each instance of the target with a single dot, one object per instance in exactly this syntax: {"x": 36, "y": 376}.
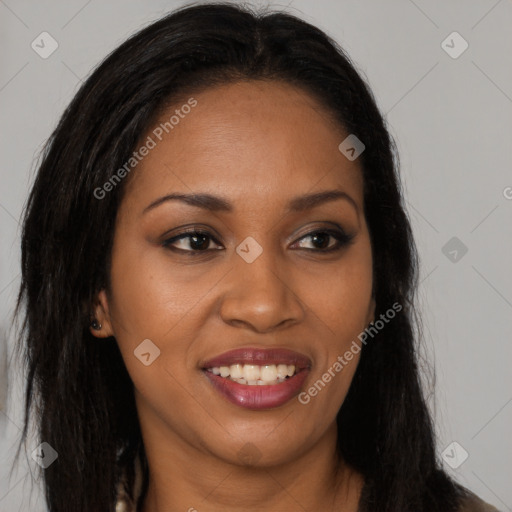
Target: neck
{"x": 183, "y": 478}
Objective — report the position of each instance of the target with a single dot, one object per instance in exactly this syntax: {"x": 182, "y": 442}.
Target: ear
{"x": 102, "y": 317}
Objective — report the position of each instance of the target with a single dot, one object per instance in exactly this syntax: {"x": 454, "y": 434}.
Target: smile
{"x": 254, "y": 375}
{"x": 258, "y": 378}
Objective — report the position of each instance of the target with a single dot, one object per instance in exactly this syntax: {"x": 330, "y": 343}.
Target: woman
{"x": 219, "y": 280}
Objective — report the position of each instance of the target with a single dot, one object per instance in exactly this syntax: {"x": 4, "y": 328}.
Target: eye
{"x": 322, "y": 239}
{"x": 196, "y": 241}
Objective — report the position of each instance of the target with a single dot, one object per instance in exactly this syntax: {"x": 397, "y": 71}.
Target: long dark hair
{"x": 78, "y": 389}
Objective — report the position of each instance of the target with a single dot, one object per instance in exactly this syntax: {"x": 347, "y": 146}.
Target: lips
{"x": 259, "y": 357}
{"x": 253, "y": 396}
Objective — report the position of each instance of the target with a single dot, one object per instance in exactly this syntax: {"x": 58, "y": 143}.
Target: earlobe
{"x": 100, "y": 325}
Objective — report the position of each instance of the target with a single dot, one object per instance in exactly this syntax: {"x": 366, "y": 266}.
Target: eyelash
{"x": 342, "y": 238}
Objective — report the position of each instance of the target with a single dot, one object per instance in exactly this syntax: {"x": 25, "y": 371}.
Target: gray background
{"x": 452, "y": 118}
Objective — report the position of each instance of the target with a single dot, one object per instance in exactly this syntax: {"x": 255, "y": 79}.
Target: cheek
{"x": 342, "y": 302}
{"x": 342, "y": 296}
{"x": 150, "y": 292}
{"x": 156, "y": 299}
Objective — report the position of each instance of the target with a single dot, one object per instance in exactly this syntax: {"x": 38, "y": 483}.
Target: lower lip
{"x": 259, "y": 396}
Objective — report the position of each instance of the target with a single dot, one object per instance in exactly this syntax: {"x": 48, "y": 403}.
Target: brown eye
{"x": 197, "y": 241}
{"x": 322, "y": 240}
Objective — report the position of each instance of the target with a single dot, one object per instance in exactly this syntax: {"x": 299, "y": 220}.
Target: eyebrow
{"x": 216, "y": 204}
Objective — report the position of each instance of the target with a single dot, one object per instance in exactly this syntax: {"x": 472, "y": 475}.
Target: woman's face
{"x": 258, "y": 277}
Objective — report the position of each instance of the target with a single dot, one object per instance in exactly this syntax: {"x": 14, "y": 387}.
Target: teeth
{"x": 236, "y": 371}
{"x": 251, "y": 372}
{"x": 282, "y": 371}
{"x": 254, "y": 375}
{"x": 268, "y": 373}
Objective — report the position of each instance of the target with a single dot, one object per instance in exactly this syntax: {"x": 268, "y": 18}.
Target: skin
{"x": 257, "y": 145}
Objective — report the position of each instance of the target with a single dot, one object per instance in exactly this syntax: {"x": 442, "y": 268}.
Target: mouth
{"x": 254, "y": 375}
{"x": 258, "y": 378}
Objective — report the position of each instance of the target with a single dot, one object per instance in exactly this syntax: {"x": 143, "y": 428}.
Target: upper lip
{"x": 259, "y": 356}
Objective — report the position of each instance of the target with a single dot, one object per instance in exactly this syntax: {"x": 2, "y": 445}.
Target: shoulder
{"x": 472, "y": 503}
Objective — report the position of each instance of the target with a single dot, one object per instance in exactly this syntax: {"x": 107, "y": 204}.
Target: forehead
{"x": 248, "y": 140}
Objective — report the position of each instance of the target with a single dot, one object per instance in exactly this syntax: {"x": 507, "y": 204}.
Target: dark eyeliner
{"x": 188, "y": 233}
{"x": 342, "y": 238}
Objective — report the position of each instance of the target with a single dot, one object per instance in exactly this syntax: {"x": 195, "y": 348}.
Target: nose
{"x": 260, "y": 297}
